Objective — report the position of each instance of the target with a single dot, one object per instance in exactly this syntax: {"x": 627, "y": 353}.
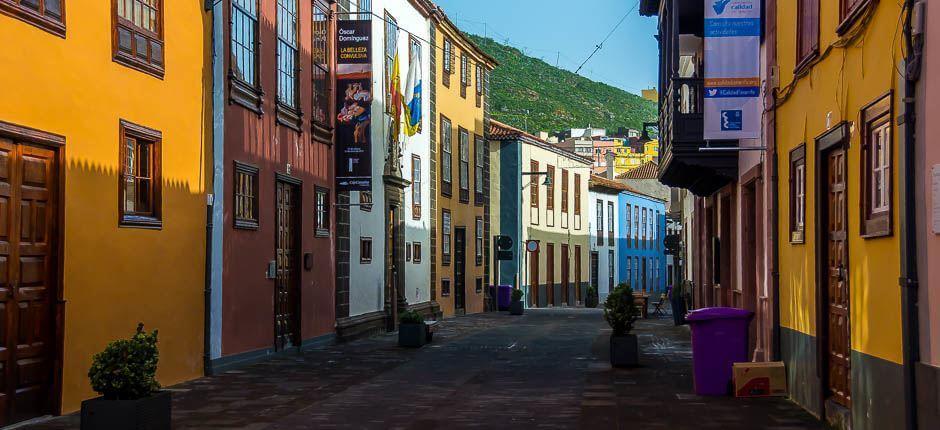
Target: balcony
{"x": 681, "y": 119}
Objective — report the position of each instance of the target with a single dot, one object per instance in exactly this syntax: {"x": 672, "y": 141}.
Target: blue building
{"x": 640, "y": 247}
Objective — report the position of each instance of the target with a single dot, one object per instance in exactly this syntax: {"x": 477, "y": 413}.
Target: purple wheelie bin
{"x": 504, "y": 297}
{"x": 719, "y": 339}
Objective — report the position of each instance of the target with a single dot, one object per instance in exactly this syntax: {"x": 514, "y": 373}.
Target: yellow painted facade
{"x": 848, "y": 74}
{"x": 626, "y": 159}
{"x": 115, "y": 277}
{"x": 464, "y": 113}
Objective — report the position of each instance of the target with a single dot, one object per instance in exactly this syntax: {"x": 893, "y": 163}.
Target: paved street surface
{"x": 547, "y": 369}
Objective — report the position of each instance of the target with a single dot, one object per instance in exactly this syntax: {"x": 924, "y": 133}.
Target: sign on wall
{"x": 732, "y": 69}
{"x": 354, "y": 105}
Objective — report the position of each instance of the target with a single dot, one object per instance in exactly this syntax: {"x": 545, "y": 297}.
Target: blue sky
{"x": 545, "y": 28}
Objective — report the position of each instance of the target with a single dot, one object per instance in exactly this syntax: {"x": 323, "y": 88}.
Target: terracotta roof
{"x": 500, "y": 131}
{"x": 647, "y": 170}
{"x": 600, "y": 181}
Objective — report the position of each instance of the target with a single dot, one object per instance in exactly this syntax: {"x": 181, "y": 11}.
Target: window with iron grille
{"x": 447, "y": 157}
{"x": 464, "y": 74}
{"x": 445, "y": 237}
{"x": 140, "y": 190}
{"x": 287, "y": 53}
{"x": 320, "y": 53}
{"x": 480, "y": 87}
{"x": 245, "y": 196}
{"x": 479, "y": 148}
{"x": 322, "y": 212}
{"x": 45, "y": 14}
{"x": 138, "y": 35}
{"x": 416, "y": 187}
{"x": 448, "y": 64}
{"x": 464, "y": 148}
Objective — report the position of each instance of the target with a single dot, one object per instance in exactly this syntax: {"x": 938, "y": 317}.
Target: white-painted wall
{"x": 603, "y": 251}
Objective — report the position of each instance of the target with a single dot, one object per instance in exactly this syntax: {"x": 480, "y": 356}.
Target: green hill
{"x": 556, "y": 99}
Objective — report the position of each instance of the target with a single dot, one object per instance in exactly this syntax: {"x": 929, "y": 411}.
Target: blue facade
{"x": 640, "y": 248}
{"x": 510, "y": 199}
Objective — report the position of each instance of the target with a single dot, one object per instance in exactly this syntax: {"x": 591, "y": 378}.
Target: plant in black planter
{"x": 125, "y": 376}
{"x": 678, "y": 303}
{"x": 591, "y": 300}
{"x": 412, "y": 332}
{"x": 515, "y": 306}
{"x": 621, "y": 313}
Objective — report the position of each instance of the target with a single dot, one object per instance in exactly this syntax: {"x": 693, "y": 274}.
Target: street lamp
{"x": 548, "y": 178}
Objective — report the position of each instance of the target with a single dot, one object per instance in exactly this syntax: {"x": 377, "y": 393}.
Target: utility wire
{"x": 601, "y": 45}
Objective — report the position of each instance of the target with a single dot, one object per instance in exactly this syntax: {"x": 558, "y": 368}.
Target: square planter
{"x": 149, "y": 413}
{"x": 624, "y": 351}
{"x": 516, "y": 308}
{"x": 412, "y": 335}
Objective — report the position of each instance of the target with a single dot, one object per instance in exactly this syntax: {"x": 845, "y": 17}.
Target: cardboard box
{"x": 759, "y": 379}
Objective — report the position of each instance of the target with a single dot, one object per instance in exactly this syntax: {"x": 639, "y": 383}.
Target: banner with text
{"x": 732, "y": 69}
{"x": 354, "y": 105}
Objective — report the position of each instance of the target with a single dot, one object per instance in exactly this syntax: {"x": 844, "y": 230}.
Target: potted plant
{"x": 125, "y": 376}
{"x": 621, "y": 312}
{"x": 515, "y": 306}
{"x": 677, "y": 301}
{"x": 591, "y": 299}
{"x": 412, "y": 332}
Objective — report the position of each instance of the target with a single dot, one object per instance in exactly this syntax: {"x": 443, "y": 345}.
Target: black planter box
{"x": 678, "y": 310}
{"x": 149, "y": 413}
{"x": 516, "y": 308}
{"x": 624, "y": 351}
{"x": 412, "y": 335}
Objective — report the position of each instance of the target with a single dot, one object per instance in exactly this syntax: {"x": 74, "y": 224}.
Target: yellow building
{"x": 459, "y": 237}
{"x": 651, "y": 94}
{"x": 103, "y": 155}
{"x": 840, "y": 302}
{"x": 626, "y": 159}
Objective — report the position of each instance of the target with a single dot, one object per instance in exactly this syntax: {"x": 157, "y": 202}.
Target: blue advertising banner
{"x": 732, "y": 69}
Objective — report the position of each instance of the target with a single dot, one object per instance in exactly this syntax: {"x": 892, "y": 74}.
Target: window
{"x": 610, "y": 223}
{"x": 287, "y": 54}
{"x": 577, "y": 195}
{"x": 797, "y": 193}
{"x": 479, "y": 288}
{"x": 365, "y": 250}
{"x": 564, "y": 191}
{"x": 610, "y": 270}
{"x": 138, "y": 34}
{"x": 629, "y": 274}
{"x": 636, "y": 228}
{"x": 629, "y": 225}
{"x": 479, "y": 148}
{"x": 448, "y": 62}
{"x": 246, "y": 196}
{"x": 322, "y": 102}
{"x": 416, "y": 253}
{"x": 464, "y": 74}
{"x": 600, "y": 223}
{"x": 243, "y": 44}
{"x": 877, "y": 183}
{"x": 447, "y": 156}
{"x": 479, "y": 241}
{"x": 46, "y": 15}
{"x": 645, "y": 228}
{"x": 323, "y": 212}
{"x": 849, "y": 12}
{"x": 550, "y": 188}
{"x": 415, "y": 187}
{"x": 445, "y": 287}
{"x": 464, "y": 147}
{"x": 140, "y": 188}
{"x": 391, "y": 49}
{"x": 479, "y": 80}
{"x": 445, "y": 237}
{"x": 365, "y": 201}
{"x": 655, "y": 228}
{"x": 807, "y": 30}
{"x": 534, "y": 184}
{"x": 408, "y": 251}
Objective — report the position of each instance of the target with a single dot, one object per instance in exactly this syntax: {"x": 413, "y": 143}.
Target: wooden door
{"x": 286, "y": 283}
{"x": 392, "y": 263}
{"x": 565, "y": 275}
{"x": 460, "y": 270}
{"x": 577, "y": 273}
{"x": 595, "y": 268}
{"x": 28, "y": 178}
{"x": 534, "y": 279}
{"x": 550, "y": 273}
{"x": 837, "y": 287}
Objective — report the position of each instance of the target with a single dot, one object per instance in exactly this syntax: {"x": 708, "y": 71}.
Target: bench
{"x": 431, "y": 327}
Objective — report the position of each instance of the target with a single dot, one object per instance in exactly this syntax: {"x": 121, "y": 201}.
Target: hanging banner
{"x": 354, "y": 105}
{"x": 732, "y": 69}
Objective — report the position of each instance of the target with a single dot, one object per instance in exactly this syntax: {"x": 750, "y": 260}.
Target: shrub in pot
{"x": 125, "y": 376}
{"x": 515, "y": 306}
{"x": 621, "y": 312}
{"x": 591, "y": 300}
{"x": 412, "y": 332}
{"x": 678, "y": 304}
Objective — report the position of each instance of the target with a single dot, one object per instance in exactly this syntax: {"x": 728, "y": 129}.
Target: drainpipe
{"x": 909, "y": 279}
{"x": 775, "y": 249}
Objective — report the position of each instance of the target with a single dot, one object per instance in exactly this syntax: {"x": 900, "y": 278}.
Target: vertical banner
{"x": 354, "y": 105}
{"x": 732, "y": 69}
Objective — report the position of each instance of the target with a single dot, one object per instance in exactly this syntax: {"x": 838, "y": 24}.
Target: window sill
{"x": 289, "y": 117}
{"x": 853, "y": 16}
{"x": 150, "y": 69}
{"x": 365, "y": 261}
{"x": 48, "y": 25}
{"x": 322, "y": 133}
{"x": 245, "y": 95}
{"x": 246, "y": 225}
{"x": 145, "y": 222}
{"x": 805, "y": 63}
{"x": 876, "y": 227}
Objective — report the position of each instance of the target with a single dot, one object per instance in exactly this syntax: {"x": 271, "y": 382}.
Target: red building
{"x": 272, "y": 264}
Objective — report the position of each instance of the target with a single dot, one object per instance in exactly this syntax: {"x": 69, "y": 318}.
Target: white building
{"x": 604, "y": 228}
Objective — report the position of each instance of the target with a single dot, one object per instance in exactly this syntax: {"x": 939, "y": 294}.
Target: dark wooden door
{"x": 550, "y": 273}
{"x": 28, "y": 178}
{"x": 460, "y": 269}
{"x": 595, "y": 270}
{"x": 286, "y": 290}
{"x": 534, "y": 279}
{"x": 837, "y": 287}
{"x": 577, "y": 273}
{"x": 565, "y": 275}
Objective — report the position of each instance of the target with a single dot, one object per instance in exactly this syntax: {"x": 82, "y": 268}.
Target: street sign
{"x": 532, "y": 246}
{"x": 504, "y": 242}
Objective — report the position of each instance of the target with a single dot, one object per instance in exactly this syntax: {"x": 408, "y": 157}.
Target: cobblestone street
{"x": 547, "y": 369}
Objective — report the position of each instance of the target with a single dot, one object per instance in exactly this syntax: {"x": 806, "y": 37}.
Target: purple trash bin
{"x": 504, "y": 297}
{"x": 719, "y": 339}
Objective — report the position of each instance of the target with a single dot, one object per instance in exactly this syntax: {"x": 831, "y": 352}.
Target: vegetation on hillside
{"x": 556, "y": 99}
